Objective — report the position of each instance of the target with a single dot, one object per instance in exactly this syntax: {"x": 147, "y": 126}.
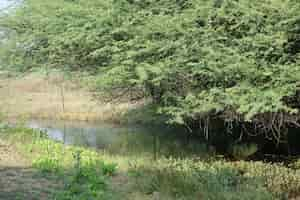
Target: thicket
{"x": 199, "y": 60}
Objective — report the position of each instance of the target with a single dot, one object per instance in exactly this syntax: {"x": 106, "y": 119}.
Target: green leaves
{"x": 195, "y": 58}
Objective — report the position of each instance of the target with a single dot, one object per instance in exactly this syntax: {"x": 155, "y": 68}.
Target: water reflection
{"x": 123, "y": 140}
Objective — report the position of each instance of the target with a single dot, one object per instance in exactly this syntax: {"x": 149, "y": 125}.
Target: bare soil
{"x": 18, "y": 181}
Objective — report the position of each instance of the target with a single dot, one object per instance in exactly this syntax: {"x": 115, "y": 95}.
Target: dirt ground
{"x": 18, "y": 181}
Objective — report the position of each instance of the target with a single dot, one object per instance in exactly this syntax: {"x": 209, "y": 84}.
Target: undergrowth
{"x": 84, "y": 174}
{"x": 87, "y": 174}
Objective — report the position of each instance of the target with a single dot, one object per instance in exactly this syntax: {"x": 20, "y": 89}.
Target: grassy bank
{"x": 77, "y": 173}
{"x": 86, "y": 173}
{"x": 19, "y": 180}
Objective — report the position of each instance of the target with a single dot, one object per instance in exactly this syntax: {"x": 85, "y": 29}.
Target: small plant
{"x": 46, "y": 164}
{"x": 77, "y": 165}
{"x": 89, "y": 180}
{"x": 109, "y": 169}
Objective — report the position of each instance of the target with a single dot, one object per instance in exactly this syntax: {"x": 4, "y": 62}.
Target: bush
{"x": 234, "y": 60}
{"x": 186, "y": 179}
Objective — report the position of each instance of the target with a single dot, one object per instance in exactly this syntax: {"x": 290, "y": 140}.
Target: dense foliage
{"x": 237, "y": 60}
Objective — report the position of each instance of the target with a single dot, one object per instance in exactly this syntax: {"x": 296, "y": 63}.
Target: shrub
{"x": 187, "y": 179}
{"x": 236, "y": 60}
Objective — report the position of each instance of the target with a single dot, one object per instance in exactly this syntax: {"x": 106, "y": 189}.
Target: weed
{"x": 109, "y": 169}
{"x": 46, "y": 164}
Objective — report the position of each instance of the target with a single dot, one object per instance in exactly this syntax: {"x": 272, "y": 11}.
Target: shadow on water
{"x": 149, "y": 141}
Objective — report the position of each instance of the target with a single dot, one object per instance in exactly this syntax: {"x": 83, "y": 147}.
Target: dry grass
{"x": 41, "y": 96}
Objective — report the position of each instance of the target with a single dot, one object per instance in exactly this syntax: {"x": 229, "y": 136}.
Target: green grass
{"x": 84, "y": 174}
{"x": 88, "y": 174}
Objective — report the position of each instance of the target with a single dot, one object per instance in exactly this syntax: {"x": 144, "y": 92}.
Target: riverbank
{"x": 19, "y": 180}
{"x": 143, "y": 178}
{"x": 53, "y": 96}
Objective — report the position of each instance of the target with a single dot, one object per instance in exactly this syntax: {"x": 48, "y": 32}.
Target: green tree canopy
{"x": 234, "y": 59}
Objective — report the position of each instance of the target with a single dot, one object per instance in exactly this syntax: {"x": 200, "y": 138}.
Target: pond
{"x": 146, "y": 141}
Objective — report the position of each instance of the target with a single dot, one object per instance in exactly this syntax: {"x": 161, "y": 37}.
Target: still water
{"x": 122, "y": 140}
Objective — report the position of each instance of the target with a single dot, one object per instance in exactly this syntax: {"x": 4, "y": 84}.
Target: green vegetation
{"x": 198, "y": 60}
{"x": 242, "y": 151}
{"x": 90, "y": 174}
{"x": 228, "y": 70}
{"x": 84, "y": 174}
